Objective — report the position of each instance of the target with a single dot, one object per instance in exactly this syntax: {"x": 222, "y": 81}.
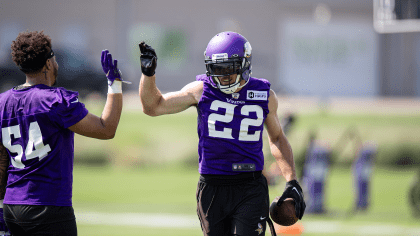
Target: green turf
{"x": 167, "y": 190}
{"x": 138, "y": 231}
{"x": 385, "y": 130}
{"x": 142, "y": 140}
{"x": 146, "y": 190}
{"x": 145, "y": 173}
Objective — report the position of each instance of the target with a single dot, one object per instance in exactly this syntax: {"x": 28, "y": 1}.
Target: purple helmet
{"x": 228, "y": 53}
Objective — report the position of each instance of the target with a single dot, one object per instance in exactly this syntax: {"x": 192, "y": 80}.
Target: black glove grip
{"x": 293, "y": 190}
{"x": 148, "y": 59}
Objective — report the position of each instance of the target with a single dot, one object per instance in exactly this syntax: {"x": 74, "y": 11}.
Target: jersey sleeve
{"x": 68, "y": 110}
{"x": 266, "y": 84}
{"x": 202, "y": 77}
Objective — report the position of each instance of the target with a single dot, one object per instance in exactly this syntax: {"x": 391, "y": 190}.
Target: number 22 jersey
{"x": 34, "y": 129}
{"x": 230, "y": 127}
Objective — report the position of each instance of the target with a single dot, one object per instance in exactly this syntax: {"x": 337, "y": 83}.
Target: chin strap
{"x": 240, "y": 86}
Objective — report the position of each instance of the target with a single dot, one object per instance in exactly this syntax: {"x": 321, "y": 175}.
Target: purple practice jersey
{"x": 34, "y": 129}
{"x": 230, "y": 127}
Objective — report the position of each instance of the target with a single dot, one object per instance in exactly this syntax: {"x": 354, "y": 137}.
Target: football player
{"x": 233, "y": 108}
{"x": 38, "y": 123}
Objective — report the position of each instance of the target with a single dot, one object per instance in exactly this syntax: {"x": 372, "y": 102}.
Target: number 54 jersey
{"x": 230, "y": 127}
{"x": 34, "y": 124}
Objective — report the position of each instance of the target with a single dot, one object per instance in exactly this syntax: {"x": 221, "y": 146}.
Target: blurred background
{"x": 346, "y": 74}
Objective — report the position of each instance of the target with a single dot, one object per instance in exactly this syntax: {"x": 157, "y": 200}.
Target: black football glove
{"x": 148, "y": 59}
{"x": 293, "y": 190}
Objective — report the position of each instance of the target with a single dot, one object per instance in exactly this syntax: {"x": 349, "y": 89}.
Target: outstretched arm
{"x": 152, "y": 100}
{"x": 155, "y": 104}
{"x": 105, "y": 127}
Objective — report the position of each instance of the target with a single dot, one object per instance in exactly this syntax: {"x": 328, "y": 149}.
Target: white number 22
{"x": 228, "y": 117}
{"x": 34, "y": 148}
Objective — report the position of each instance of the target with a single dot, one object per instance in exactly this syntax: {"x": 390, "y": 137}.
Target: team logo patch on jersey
{"x": 235, "y": 95}
{"x": 260, "y": 229}
{"x": 256, "y": 95}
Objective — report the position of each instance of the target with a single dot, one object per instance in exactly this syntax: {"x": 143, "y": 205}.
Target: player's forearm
{"x": 282, "y": 152}
{"x": 150, "y": 96}
{"x": 4, "y": 163}
{"x": 111, "y": 114}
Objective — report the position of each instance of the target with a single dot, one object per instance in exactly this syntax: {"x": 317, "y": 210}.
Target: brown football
{"x": 284, "y": 214}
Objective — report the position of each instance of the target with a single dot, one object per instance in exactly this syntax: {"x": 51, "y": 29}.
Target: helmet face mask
{"x": 228, "y": 53}
{"x": 224, "y": 68}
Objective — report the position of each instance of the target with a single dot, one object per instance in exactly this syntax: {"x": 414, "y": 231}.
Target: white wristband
{"x": 116, "y": 87}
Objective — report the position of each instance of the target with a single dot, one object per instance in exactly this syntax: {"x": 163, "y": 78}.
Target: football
{"x": 284, "y": 214}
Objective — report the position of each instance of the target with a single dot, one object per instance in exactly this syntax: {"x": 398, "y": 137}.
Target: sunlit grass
{"x": 146, "y": 172}
{"x": 172, "y": 190}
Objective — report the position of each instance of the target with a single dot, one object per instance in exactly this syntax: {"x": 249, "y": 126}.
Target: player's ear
{"x": 48, "y": 64}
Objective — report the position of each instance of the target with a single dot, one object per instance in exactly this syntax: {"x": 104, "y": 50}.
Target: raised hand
{"x": 110, "y": 68}
{"x": 148, "y": 59}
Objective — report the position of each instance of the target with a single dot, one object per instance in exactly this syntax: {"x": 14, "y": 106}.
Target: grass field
{"x": 151, "y": 197}
{"x": 147, "y": 181}
{"x": 142, "y": 140}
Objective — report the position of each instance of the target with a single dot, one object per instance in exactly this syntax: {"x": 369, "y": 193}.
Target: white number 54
{"x": 34, "y": 148}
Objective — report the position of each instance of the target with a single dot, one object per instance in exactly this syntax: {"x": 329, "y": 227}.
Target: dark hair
{"x": 30, "y": 51}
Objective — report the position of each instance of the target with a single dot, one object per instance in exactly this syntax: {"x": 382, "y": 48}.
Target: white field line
{"x": 191, "y": 221}
{"x": 139, "y": 219}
